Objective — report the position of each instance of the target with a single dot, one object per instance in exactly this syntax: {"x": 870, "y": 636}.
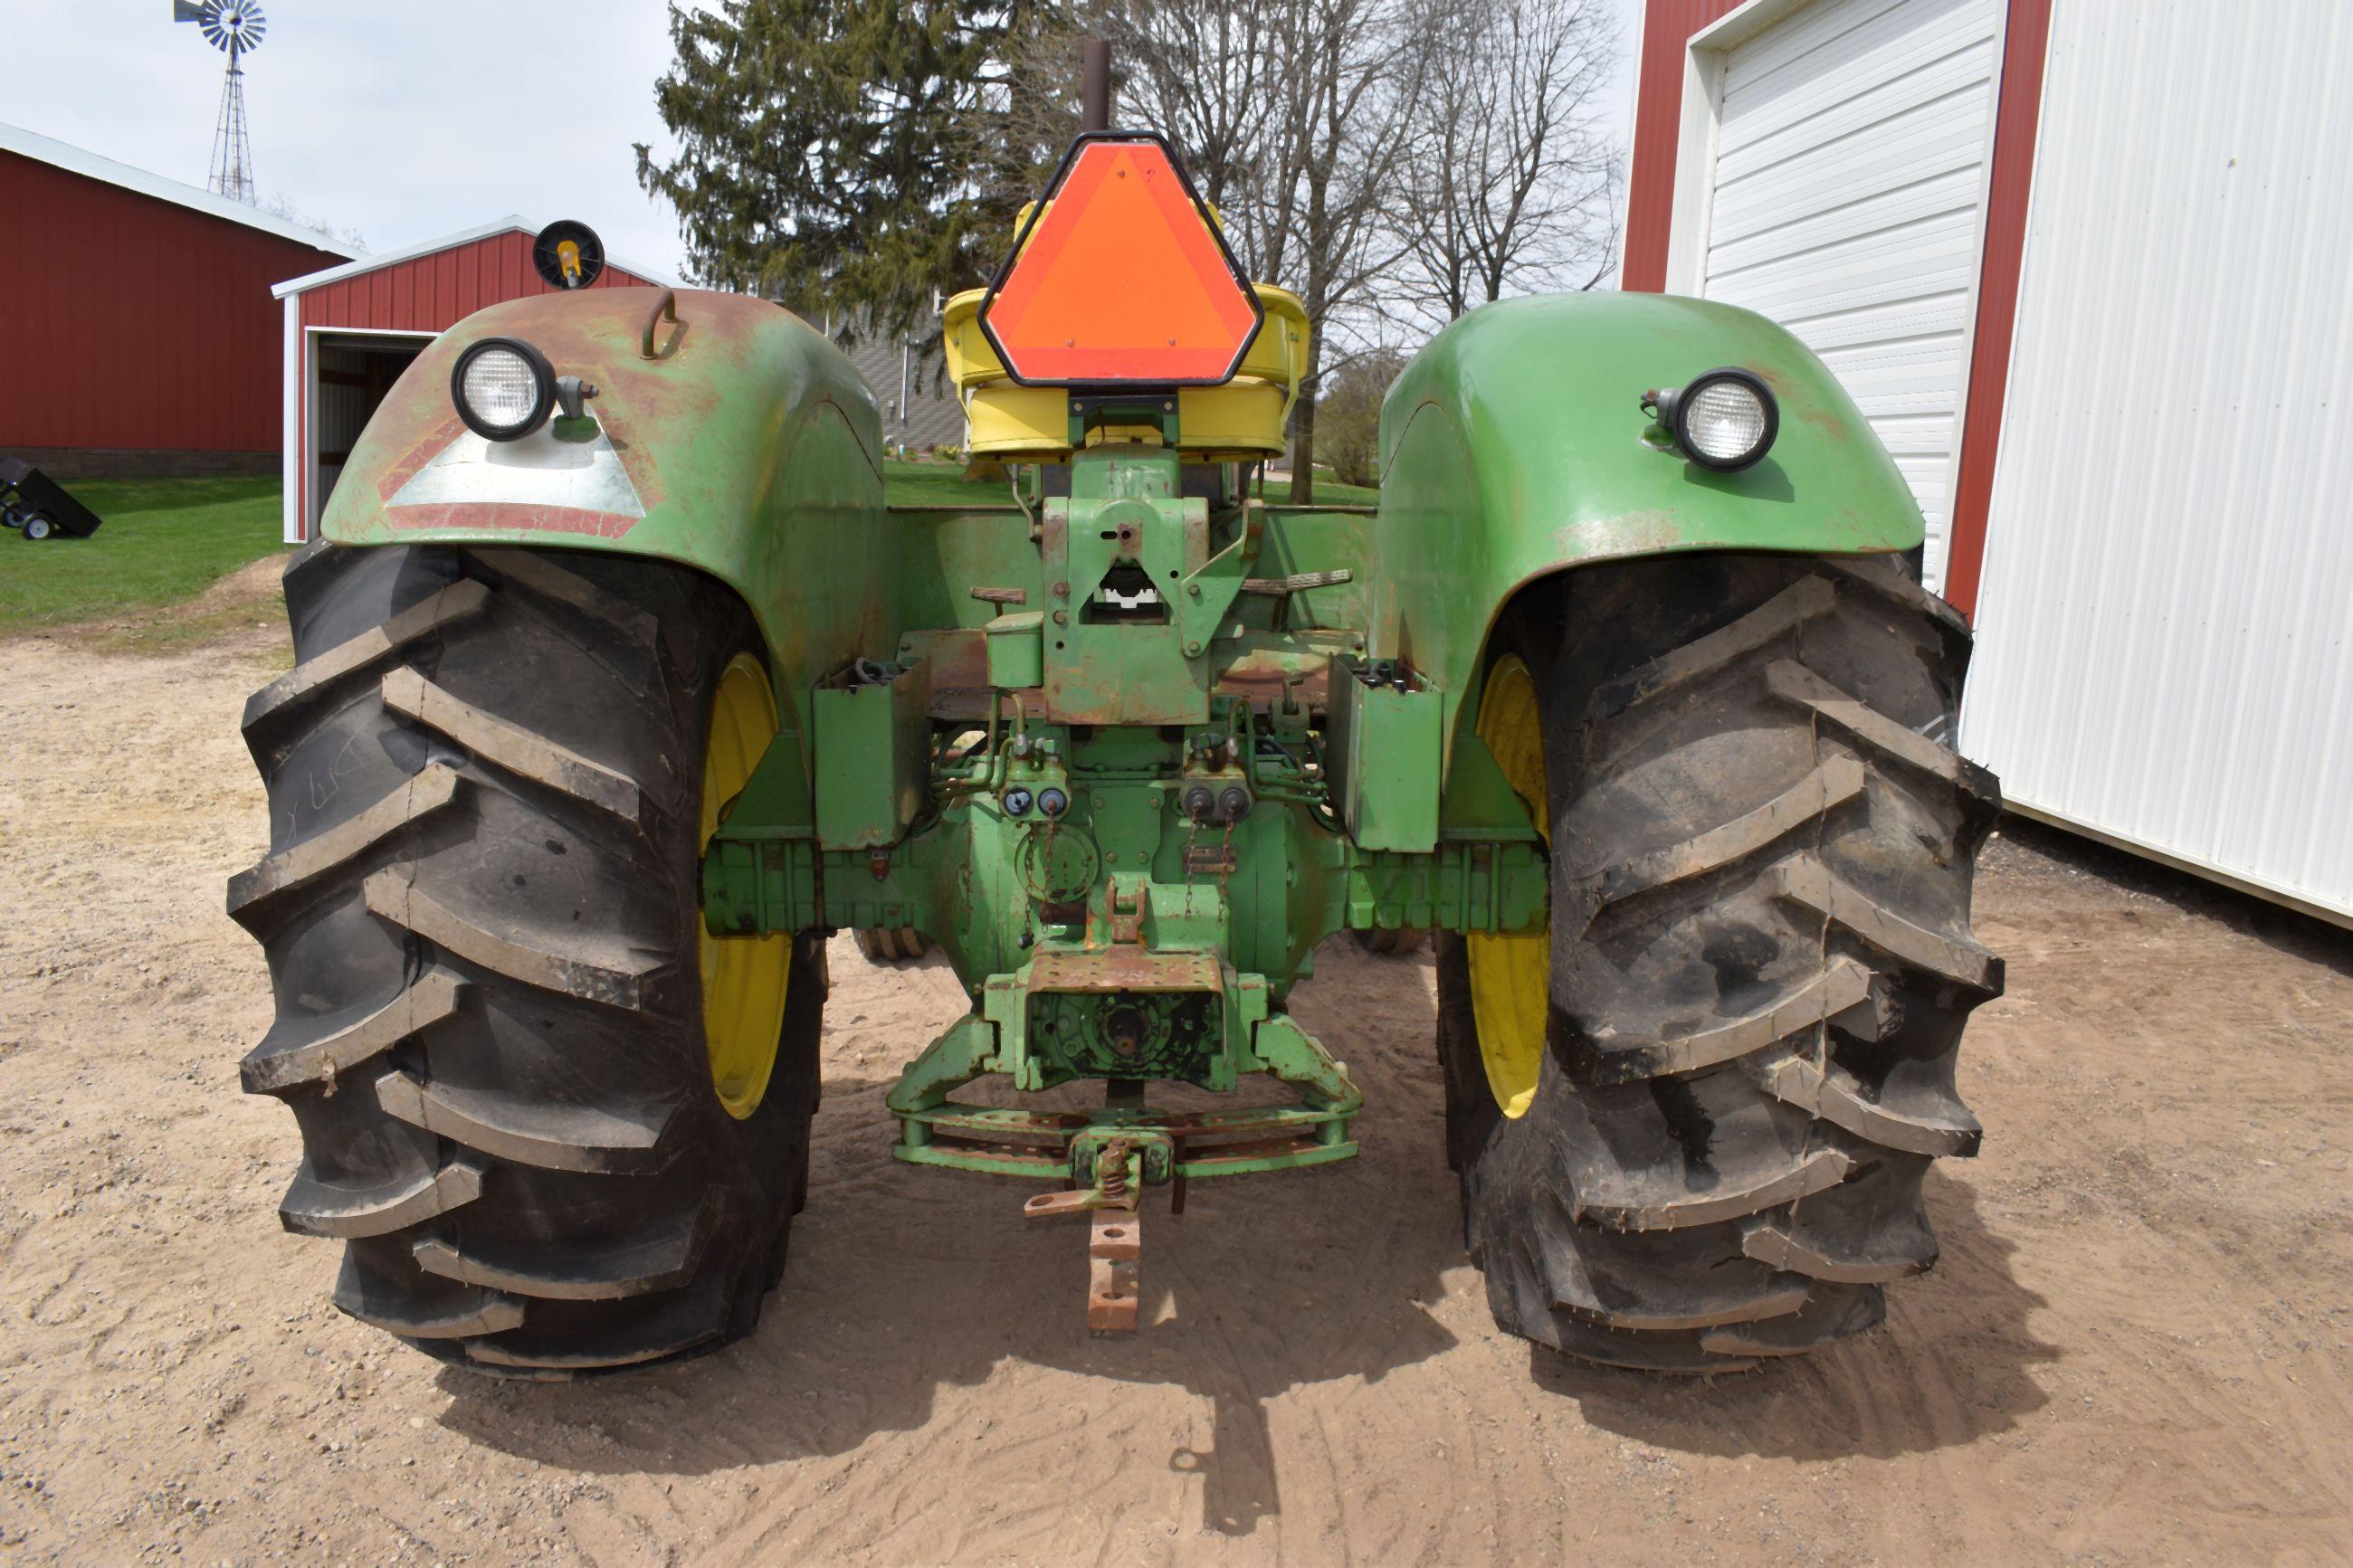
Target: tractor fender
{"x": 747, "y": 447}
{"x": 1514, "y": 447}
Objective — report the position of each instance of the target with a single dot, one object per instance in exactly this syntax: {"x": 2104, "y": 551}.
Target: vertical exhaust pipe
{"x": 1094, "y": 104}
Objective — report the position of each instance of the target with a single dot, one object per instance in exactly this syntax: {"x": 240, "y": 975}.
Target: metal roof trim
{"x": 514, "y": 223}
{"x": 107, "y": 170}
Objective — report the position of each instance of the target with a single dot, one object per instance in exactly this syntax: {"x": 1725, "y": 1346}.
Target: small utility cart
{"x": 39, "y": 508}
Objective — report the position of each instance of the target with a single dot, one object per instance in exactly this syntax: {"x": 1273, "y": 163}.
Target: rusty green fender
{"x": 747, "y": 448}
{"x": 1513, "y": 448}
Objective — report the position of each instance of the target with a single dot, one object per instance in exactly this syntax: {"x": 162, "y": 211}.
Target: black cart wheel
{"x": 36, "y": 527}
{"x": 1691, "y": 1121}
{"x": 556, "y": 1125}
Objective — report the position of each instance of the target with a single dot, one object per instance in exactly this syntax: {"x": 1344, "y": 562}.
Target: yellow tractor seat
{"x": 1242, "y": 420}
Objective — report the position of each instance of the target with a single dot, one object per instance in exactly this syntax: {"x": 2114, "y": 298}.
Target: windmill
{"x": 236, "y": 29}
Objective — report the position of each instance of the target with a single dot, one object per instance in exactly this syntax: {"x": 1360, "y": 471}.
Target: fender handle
{"x": 665, "y": 308}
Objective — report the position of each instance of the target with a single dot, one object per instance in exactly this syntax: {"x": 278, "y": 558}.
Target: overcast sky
{"x": 404, "y": 119}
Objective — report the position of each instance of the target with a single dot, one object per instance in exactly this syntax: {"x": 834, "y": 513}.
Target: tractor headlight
{"x": 503, "y": 388}
{"x": 1725, "y": 419}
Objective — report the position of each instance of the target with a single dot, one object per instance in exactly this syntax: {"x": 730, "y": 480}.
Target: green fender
{"x": 1512, "y": 447}
{"x": 747, "y": 448}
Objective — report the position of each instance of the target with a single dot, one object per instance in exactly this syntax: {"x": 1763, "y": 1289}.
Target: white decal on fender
{"x": 538, "y": 471}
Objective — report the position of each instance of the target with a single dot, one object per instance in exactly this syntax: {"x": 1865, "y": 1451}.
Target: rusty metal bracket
{"x": 1104, "y": 1158}
{"x": 1111, "y": 1200}
{"x": 1114, "y": 1270}
{"x": 1111, "y": 1175}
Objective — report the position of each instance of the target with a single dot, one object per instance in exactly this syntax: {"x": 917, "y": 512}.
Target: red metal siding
{"x": 2023, "y": 47}
{"x": 136, "y": 323}
{"x": 1667, "y": 28}
{"x": 433, "y": 293}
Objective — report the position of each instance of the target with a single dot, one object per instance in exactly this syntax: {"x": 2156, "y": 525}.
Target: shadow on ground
{"x": 2032, "y": 849}
{"x": 905, "y": 1283}
{"x": 1955, "y": 1362}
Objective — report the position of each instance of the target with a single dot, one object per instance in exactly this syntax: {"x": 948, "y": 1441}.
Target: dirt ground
{"x": 2135, "y": 1349}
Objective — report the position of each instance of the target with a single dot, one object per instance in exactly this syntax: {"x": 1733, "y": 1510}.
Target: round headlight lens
{"x": 500, "y": 388}
{"x": 1725, "y": 419}
{"x": 503, "y": 388}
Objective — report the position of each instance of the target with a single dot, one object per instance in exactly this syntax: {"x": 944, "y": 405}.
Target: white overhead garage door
{"x": 1853, "y": 143}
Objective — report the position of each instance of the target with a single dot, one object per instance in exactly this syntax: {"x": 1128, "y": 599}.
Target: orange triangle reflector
{"x": 1122, "y": 278}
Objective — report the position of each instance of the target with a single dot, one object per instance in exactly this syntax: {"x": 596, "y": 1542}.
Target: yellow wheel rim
{"x": 743, "y": 977}
{"x": 1511, "y": 976}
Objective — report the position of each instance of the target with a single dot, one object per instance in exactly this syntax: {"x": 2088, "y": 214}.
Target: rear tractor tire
{"x": 1691, "y": 1121}
{"x": 892, "y": 947}
{"x": 555, "y": 1127}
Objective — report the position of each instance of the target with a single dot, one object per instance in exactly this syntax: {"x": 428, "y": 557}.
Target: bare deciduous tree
{"x": 1387, "y": 160}
{"x": 1197, "y": 72}
{"x": 1202, "y": 72}
{"x": 1326, "y": 204}
{"x": 1292, "y": 116}
{"x": 1513, "y": 184}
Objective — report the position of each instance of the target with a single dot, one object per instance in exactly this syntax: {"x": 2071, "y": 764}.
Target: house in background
{"x": 920, "y": 409}
{"x": 2084, "y": 266}
{"x": 347, "y": 334}
{"x": 139, "y": 337}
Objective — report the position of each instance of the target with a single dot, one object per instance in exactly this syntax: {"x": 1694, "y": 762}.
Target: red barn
{"x": 350, "y": 331}
{"x": 140, "y": 336}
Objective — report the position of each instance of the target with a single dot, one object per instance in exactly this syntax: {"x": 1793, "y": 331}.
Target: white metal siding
{"x": 294, "y": 525}
{"x": 2163, "y": 655}
{"x": 1851, "y": 160}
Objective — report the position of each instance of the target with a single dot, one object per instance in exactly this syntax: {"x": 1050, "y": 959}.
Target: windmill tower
{"x": 236, "y": 29}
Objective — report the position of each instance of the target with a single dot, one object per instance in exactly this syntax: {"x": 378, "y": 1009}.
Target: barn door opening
{"x": 350, "y": 374}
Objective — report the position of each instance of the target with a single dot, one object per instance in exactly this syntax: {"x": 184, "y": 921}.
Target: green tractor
{"x": 620, "y": 688}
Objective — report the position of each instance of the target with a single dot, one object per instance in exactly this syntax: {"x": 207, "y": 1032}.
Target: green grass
{"x": 1329, "y": 491}
{"x": 164, "y": 541}
{"x": 909, "y": 481}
